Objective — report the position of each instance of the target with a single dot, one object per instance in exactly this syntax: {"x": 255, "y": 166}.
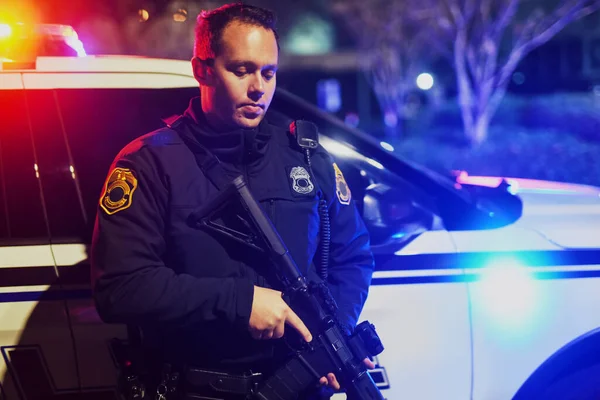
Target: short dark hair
{"x": 211, "y": 24}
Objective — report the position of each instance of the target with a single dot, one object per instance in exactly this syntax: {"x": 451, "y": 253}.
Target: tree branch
{"x": 471, "y": 7}
{"x": 452, "y": 13}
{"x": 585, "y": 11}
{"x": 465, "y": 90}
{"x": 491, "y": 59}
{"x": 498, "y": 94}
{"x": 485, "y": 9}
{"x": 530, "y": 24}
{"x": 504, "y": 20}
{"x": 566, "y": 9}
{"x": 558, "y": 25}
{"x": 568, "y": 12}
{"x": 472, "y": 61}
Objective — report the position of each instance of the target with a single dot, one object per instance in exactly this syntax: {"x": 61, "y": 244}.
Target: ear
{"x": 201, "y": 71}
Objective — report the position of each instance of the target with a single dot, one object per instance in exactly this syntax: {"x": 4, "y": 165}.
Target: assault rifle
{"x": 332, "y": 348}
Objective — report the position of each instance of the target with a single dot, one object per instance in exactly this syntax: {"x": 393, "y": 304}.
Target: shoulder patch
{"x": 341, "y": 187}
{"x": 118, "y": 190}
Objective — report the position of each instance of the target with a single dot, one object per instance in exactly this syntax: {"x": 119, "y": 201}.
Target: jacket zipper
{"x": 270, "y": 210}
{"x": 245, "y": 175}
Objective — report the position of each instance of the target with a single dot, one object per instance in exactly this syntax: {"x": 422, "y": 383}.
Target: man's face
{"x": 240, "y": 85}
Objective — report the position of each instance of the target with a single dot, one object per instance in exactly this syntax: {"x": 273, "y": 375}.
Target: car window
{"x": 22, "y": 219}
{"x": 57, "y": 174}
{"x": 394, "y": 210}
{"x": 100, "y": 122}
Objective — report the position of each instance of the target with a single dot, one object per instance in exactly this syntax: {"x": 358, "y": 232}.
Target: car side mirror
{"x": 392, "y": 216}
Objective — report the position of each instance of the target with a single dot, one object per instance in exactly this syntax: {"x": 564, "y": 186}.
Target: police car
{"x": 485, "y": 288}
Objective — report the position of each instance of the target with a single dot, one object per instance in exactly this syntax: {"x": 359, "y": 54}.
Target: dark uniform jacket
{"x": 191, "y": 290}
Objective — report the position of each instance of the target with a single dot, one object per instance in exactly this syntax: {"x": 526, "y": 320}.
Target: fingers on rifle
{"x": 266, "y": 335}
{"x": 332, "y": 381}
{"x": 256, "y": 334}
{"x": 369, "y": 363}
{"x": 295, "y": 322}
{"x": 279, "y": 330}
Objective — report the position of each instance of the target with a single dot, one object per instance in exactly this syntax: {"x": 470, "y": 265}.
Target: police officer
{"x": 201, "y": 298}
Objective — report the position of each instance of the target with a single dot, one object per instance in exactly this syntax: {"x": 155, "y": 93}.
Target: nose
{"x": 257, "y": 86}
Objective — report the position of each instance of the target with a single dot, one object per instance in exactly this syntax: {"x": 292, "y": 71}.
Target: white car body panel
{"x": 37, "y": 325}
{"x": 412, "y": 312}
{"x": 508, "y": 348}
{"x": 26, "y": 256}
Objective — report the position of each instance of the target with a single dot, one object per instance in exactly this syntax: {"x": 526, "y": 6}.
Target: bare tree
{"x": 489, "y": 39}
{"x": 390, "y": 47}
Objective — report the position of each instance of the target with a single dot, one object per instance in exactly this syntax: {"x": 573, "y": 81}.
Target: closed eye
{"x": 269, "y": 74}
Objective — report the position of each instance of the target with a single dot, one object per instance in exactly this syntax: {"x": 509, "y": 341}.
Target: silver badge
{"x": 301, "y": 178}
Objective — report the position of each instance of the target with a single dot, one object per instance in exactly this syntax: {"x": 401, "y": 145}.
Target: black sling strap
{"x": 208, "y": 162}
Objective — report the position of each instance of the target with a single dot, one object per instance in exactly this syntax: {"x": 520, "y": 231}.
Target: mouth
{"x": 253, "y": 108}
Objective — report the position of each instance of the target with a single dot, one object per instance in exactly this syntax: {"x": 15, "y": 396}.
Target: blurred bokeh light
{"x": 144, "y": 15}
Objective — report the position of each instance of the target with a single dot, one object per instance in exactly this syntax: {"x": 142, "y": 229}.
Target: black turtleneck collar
{"x": 236, "y": 146}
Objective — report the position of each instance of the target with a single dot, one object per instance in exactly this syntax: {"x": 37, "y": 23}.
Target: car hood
{"x": 565, "y": 214}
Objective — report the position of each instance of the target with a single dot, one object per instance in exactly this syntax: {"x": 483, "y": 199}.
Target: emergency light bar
{"x": 21, "y": 41}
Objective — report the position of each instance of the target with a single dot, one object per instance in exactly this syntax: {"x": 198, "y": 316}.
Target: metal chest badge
{"x": 118, "y": 190}
{"x": 341, "y": 187}
{"x": 301, "y": 182}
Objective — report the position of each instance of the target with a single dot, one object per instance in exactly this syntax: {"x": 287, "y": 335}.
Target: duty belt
{"x": 213, "y": 383}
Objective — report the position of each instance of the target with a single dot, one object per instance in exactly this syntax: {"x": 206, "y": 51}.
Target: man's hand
{"x": 270, "y": 314}
{"x": 331, "y": 381}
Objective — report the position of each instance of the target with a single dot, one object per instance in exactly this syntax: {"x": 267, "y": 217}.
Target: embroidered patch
{"x": 341, "y": 187}
{"x": 118, "y": 191}
{"x": 300, "y": 181}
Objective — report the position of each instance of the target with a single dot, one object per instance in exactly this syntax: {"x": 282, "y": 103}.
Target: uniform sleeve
{"x": 351, "y": 260}
{"x": 131, "y": 284}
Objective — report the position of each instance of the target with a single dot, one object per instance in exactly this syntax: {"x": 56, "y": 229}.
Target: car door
{"x": 529, "y": 298}
{"x": 37, "y": 357}
{"x": 67, "y": 226}
{"x": 418, "y": 299}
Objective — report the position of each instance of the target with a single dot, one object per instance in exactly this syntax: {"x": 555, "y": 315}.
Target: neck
{"x": 213, "y": 121}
